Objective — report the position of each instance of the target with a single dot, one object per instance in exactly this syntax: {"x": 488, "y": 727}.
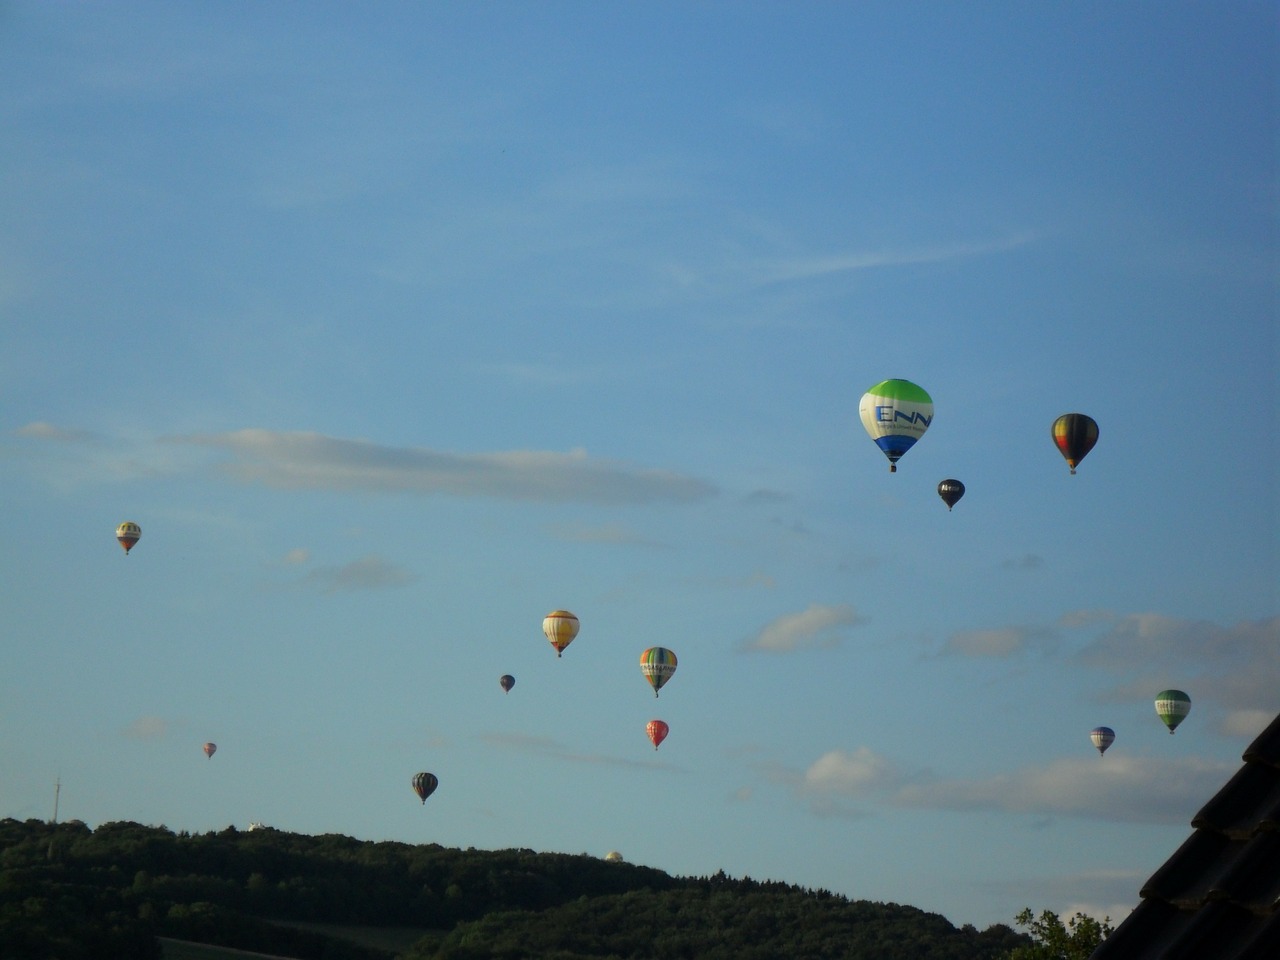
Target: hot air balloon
{"x": 950, "y": 491}
{"x": 1172, "y": 706}
{"x": 657, "y": 730}
{"x": 506, "y": 681}
{"x": 561, "y": 627}
{"x": 1075, "y": 434}
{"x": 128, "y": 533}
{"x": 424, "y": 784}
{"x": 1102, "y": 738}
{"x": 896, "y": 414}
{"x": 657, "y": 664}
{"x": 210, "y": 749}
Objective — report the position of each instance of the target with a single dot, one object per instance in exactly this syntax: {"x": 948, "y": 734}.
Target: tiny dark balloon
{"x": 424, "y": 784}
{"x": 950, "y": 491}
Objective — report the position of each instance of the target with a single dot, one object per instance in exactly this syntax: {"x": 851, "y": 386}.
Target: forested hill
{"x": 70, "y": 892}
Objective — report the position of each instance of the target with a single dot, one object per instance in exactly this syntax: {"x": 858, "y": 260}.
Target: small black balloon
{"x": 950, "y": 491}
{"x": 424, "y": 784}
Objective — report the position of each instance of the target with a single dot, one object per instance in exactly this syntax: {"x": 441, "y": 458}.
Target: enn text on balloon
{"x": 916, "y": 417}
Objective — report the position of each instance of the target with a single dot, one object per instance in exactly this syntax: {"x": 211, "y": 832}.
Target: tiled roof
{"x": 1218, "y": 896}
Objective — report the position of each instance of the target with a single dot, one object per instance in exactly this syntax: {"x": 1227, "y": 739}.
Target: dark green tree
{"x": 71, "y": 893}
{"x": 1054, "y": 940}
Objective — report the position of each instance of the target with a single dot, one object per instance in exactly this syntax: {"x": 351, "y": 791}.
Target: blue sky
{"x": 397, "y": 327}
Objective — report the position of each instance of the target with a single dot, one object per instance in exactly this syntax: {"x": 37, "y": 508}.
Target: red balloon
{"x": 657, "y": 730}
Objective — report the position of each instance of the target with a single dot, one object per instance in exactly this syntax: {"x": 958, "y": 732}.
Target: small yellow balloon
{"x": 128, "y": 533}
{"x": 561, "y": 627}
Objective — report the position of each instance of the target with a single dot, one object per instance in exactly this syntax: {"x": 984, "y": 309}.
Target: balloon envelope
{"x": 1074, "y": 434}
{"x": 210, "y": 749}
{"x": 896, "y": 413}
{"x": 657, "y": 664}
{"x": 506, "y": 681}
{"x": 657, "y": 731}
{"x": 128, "y": 533}
{"x": 1172, "y": 706}
{"x": 424, "y": 784}
{"x": 1102, "y": 738}
{"x": 561, "y": 627}
{"x": 950, "y": 491}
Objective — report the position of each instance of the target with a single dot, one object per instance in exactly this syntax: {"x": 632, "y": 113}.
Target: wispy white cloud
{"x": 738, "y": 268}
{"x": 848, "y": 784}
{"x": 608, "y": 533}
{"x": 850, "y": 773}
{"x": 1101, "y": 894}
{"x": 642, "y": 181}
{"x": 1087, "y": 618}
{"x": 367, "y": 573}
{"x": 147, "y": 728}
{"x": 999, "y": 643}
{"x": 1246, "y": 723}
{"x": 1236, "y": 665}
{"x": 855, "y": 261}
{"x": 1113, "y": 788}
{"x": 300, "y": 461}
{"x": 816, "y": 626}
{"x": 42, "y": 430}
{"x": 1147, "y": 635}
{"x": 533, "y": 743}
{"x": 67, "y": 457}
{"x": 763, "y": 496}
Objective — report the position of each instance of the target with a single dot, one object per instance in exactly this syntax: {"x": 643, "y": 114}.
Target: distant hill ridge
{"x": 73, "y": 892}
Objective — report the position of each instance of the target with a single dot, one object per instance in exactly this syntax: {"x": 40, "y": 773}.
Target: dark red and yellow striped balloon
{"x": 1074, "y": 434}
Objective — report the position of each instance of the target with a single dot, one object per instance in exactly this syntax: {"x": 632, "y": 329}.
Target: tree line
{"x": 71, "y": 892}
